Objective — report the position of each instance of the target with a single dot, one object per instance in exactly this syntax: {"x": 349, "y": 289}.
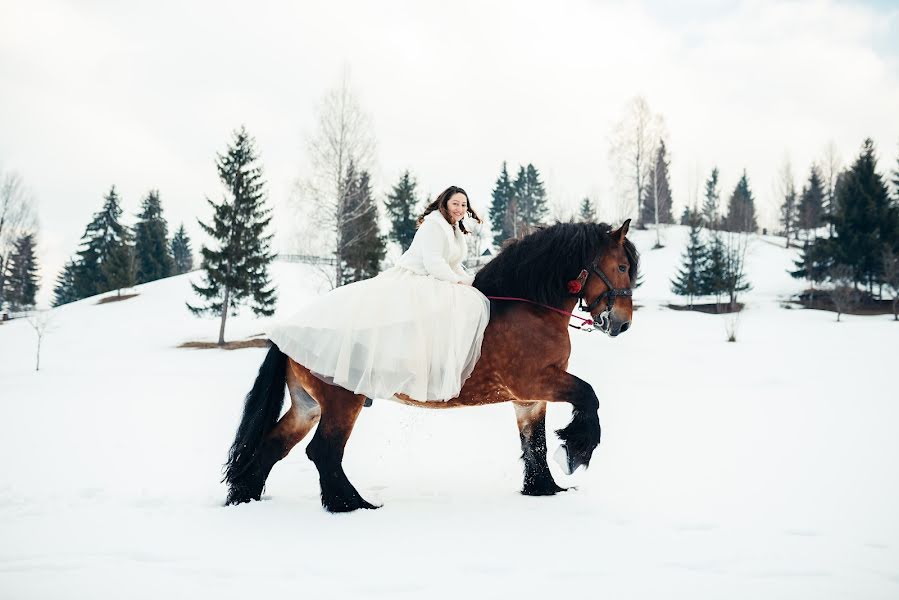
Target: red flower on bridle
{"x": 576, "y": 285}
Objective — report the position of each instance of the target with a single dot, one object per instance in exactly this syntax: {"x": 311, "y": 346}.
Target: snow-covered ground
{"x": 761, "y": 469}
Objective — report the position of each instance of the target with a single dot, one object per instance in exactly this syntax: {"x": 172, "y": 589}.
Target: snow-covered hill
{"x": 761, "y": 469}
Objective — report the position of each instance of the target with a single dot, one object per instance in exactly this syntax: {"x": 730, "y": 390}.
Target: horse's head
{"x": 606, "y": 293}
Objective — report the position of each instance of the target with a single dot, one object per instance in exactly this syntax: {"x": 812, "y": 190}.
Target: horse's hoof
{"x": 349, "y": 505}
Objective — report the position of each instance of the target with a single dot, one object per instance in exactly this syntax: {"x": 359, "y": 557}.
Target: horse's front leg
{"x": 538, "y": 481}
{"x": 581, "y": 436}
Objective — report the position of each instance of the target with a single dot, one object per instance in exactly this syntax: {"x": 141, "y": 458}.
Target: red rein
{"x": 584, "y": 322}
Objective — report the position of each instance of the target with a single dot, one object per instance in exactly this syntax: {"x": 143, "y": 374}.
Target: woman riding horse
{"x": 534, "y": 285}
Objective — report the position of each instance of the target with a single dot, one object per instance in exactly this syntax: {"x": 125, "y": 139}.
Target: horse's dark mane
{"x": 539, "y": 266}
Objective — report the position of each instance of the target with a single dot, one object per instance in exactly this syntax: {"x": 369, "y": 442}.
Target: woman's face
{"x": 457, "y": 206}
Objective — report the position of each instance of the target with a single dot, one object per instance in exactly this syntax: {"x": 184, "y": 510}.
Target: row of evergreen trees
{"x": 19, "y": 286}
{"x": 519, "y": 205}
{"x": 114, "y": 257}
{"x": 864, "y": 220}
{"x": 740, "y": 215}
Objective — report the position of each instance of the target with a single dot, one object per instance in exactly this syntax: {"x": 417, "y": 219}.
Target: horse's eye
{"x": 622, "y": 268}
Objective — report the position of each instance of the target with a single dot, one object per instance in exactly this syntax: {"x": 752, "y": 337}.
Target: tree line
{"x": 860, "y": 247}
{"x": 115, "y": 256}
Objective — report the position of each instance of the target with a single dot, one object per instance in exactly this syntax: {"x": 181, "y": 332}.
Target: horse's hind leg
{"x": 340, "y": 408}
{"x": 531, "y": 418}
{"x": 290, "y": 429}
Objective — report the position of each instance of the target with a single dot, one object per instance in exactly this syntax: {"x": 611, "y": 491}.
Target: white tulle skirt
{"x": 399, "y": 332}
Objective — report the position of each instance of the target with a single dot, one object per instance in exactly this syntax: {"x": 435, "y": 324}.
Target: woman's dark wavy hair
{"x": 539, "y": 266}
{"x": 440, "y": 205}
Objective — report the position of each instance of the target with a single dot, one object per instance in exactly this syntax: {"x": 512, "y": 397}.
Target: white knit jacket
{"x": 438, "y": 250}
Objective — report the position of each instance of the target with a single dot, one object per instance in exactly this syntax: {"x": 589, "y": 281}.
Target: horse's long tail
{"x": 260, "y": 413}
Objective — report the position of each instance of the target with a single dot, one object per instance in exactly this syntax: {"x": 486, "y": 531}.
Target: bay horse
{"x": 534, "y": 284}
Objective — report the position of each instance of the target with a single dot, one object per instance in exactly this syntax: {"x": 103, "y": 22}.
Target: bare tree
{"x": 731, "y": 325}
{"x": 42, "y": 323}
{"x": 477, "y": 238}
{"x": 631, "y": 154}
{"x": 843, "y": 294}
{"x": 891, "y": 278}
{"x": 736, "y": 245}
{"x": 17, "y": 217}
{"x": 830, "y": 169}
{"x": 342, "y": 143}
{"x": 785, "y": 191}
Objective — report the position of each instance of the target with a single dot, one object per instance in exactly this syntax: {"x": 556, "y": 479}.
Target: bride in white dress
{"x": 415, "y": 329}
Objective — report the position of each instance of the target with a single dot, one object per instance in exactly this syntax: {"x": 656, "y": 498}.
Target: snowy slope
{"x": 764, "y": 468}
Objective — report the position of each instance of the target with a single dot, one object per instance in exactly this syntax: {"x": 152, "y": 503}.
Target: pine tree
{"x": 150, "y": 241}
{"x": 21, "y": 277}
{"x": 402, "y": 211}
{"x": 689, "y": 277}
{"x": 657, "y": 190}
{"x": 741, "y": 208}
{"x": 120, "y": 267}
{"x": 865, "y": 222}
{"x": 182, "y": 255}
{"x": 499, "y": 208}
{"x": 534, "y": 209}
{"x": 711, "y": 202}
{"x": 789, "y": 213}
{"x": 714, "y": 275}
{"x": 527, "y": 208}
{"x": 103, "y": 237}
{"x": 587, "y": 212}
{"x": 364, "y": 247}
{"x": 811, "y": 203}
{"x": 815, "y": 261}
{"x": 65, "y": 291}
{"x": 236, "y": 273}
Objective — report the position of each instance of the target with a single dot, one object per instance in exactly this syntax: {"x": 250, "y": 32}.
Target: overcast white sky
{"x": 142, "y": 95}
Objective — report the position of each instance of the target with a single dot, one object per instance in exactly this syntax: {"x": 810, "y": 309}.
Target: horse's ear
{"x": 618, "y": 234}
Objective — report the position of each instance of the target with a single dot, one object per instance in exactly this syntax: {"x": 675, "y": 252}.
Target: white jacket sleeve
{"x": 459, "y": 269}
{"x": 434, "y": 250}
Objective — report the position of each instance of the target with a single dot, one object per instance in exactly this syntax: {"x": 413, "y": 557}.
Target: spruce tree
{"x": 534, "y": 209}
{"x": 236, "y": 272}
{"x": 587, "y": 213}
{"x": 811, "y": 203}
{"x": 714, "y": 274}
{"x": 150, "y": 241}
{"x": 499, "y": 208}
{"x": 120, "y": 267}
{"x": 711, "y": 202}
{"x": 363, "y": 245}
{"x": 182, "y": 255}
{"x": 21, "y": 278}
{"x": 865, "y": 222}
{"x": 402, "y": 211}
{"x": 103, "y": 237}
{"x": 689, "y": 281}
{"x": 65, "y": 291}
{"x": 741, "y": 208}
{"x": 657, "y": 190}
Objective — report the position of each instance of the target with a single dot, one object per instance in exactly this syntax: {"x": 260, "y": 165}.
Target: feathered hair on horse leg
{"x": 538, "y": 481}
{"x": 581, "y": 436}
{"x": 247, "y": 468}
